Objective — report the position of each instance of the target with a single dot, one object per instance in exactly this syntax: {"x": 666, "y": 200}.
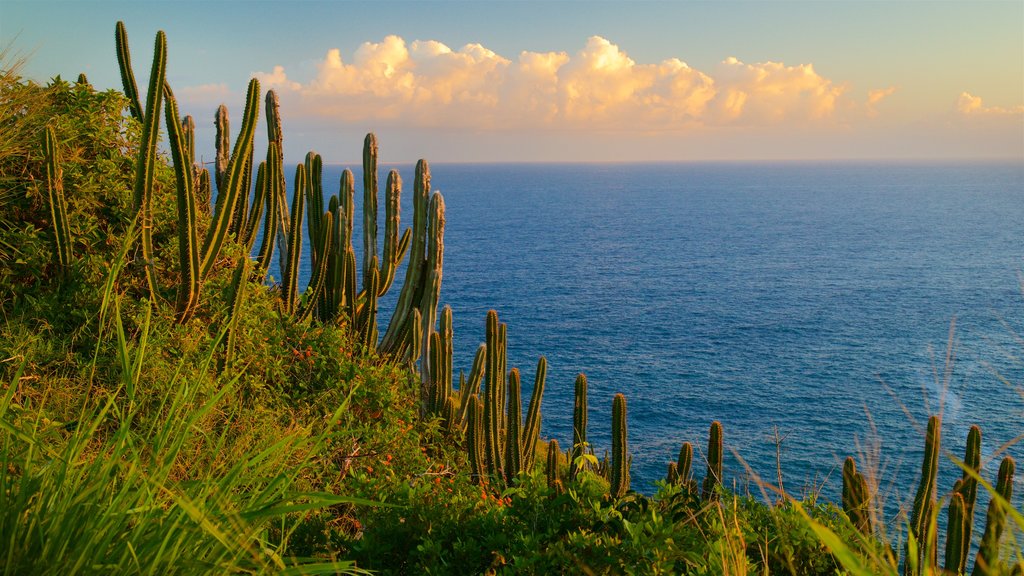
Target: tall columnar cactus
{"x": 315, "y": 201}
{"x": 394, "y": 248}
{"x": 492, "y": 398}
{"x": 471, "y": 386}
{"x": 283, "y": 218}
{"x": 431, "y": 291}
{"x": 987, "y": 561}
{"x": 345, "y": 291}
{"x": 531, "y": 430}
{"x": 248, "y": 233}
{"x": 441, "y": 364}
{"x": 369, "y": 204}
{"x": 188, "y": 135}
{"x": 475, "y": 437}
{"x": 856, "y": 497}
{"x": 684, "y": 466}
{"x": 398, "y": 328}
{"x": 620, "y": 448}
{"x": 222, "y": 123}
{"x": 146, "y": 163}
{"x": 554, "y": 481}
{"x": 315, "y": 290}
{"x": 124, "y": 62}
{"x": 234, "y": 181}
{"x": 579, "y": 425}
{"x": 513, "y": 433}
{"x": 272, "y": 182}
{"x": 204, "y": 191}
{"x": 368, "y": 318}
{"x": 290, "y": 282}
{"x": 968, "y": 490}
{"x": 55, "y": 197}
{"x": 189, "y": 282}
{"x": 239, "y": 282}
{"x": 924, "y": 502}
{"x": 956, "y": 534}
{"x": 713, "y": 478}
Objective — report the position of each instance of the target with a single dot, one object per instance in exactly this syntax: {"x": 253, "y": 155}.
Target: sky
{"x": 496, "y": 81}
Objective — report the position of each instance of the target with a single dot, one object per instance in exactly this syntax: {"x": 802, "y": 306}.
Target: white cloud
{"x": 426, "y": 84}
{"x": 875, "y": 97}
{"x": 971, "y": 105}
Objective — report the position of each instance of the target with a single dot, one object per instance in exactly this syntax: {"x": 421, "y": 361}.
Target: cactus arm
{"x": 620, "y": 448}
{"x": 239, "y": 281}
{"x": 146, "y": 163}
{"x": 924, "y": 500}
{"x": 492, "y": 439}
{"x": 283, "y": 218}
{"x": 475, "y": 437}
{"x": 432, "y": 277}
{"x": 222, "y": 123}
{"x": 316, "y": 284}
{"x": 392, "y": 221}
{"x": 579, "y": 423}
{"x": 248, "y": 235}
{"x": 987, "y": 561}
{"x": 315, "y": 200}
{"x": 513, "y": 434}
{"x": 188, "y": 243}
{"x": 713, "y": 478}
{"x": 124, "y": 62}
{"x": 407, "y": 297}
{"x": 554, "y": 482}
{"x": 57, "y": 201}
{"x": 471, "y": 386}
{"x": 531, "y": 430}
{"x": 955, "y": 561}
{"x": 369, "y": 204}
{"x": 227, "y": 198}
{"x": 969, "y": 489}
{"x": 272, "y": 182}
{"x": 368, "y": 321}
{"x": 290, "y": 282}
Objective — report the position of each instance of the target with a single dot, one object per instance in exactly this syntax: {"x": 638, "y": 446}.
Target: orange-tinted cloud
{"x": 971, "y": 105}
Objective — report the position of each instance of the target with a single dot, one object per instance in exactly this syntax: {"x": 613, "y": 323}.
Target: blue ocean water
{"x": 812, "y": 299}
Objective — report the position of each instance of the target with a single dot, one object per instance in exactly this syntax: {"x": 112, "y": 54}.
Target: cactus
{"x": 987, "y": 561}
{"x": 620, "y": 448}
{"x": 316, "y": 283}
{"x": 968, "y": 489}
{"x": 223, "y": 142}
{"x": 238, "y": 284}
{"x": 684, "y": 463}
{"x": 955, "y": 535}
{"x": 579, "y": 424}
{"x": 345, "y": 292}
{"x": 531, "y": 430}
{"x": 290, "y": 282}
{"x": 554, "y": 482}
{"x": 55, "y": 197}
{"x": 369, "y": 204}
{"x": 83, "y": 81}
{"x": 672, "y": 474}
{"x": 248, "y": 235}
{"x": 189, "y": 282}
{"x": 124, "y": 62}
{"x": 234, "y": 180}
{"x": 856, "y": 497}
{"x": 475, "y": 437}
{"x": 471, "y": 386}
{"x": 315, "y": 201}
{"x": 394, "y": 248}
{"x": 272, "y": 182}
{"x": 188, "y": 133}
{"x": 203, "y": 191}
{"x": 492, "y": 399}
{"x": 283, "y": 218}
{"x": 146, "y": 162}
{"x": 368, "y": 320}
{"x": 513, "y": 433}
{"x": 441, "y": 363}
{"x": 431, "y": 291}
{"x": 924, "y": 502}
{"x": 713, "y": 478}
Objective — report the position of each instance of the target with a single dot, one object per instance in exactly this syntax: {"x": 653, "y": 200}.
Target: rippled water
{"x": 805, "y": 298}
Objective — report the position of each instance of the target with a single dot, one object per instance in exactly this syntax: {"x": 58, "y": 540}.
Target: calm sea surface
{"x": 812, "y": 299}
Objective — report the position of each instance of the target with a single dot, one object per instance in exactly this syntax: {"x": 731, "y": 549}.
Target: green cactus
{"x": 987, "y": 561}
{"x": 412, "y": 352}
{"x": 579, "y": 425}
{"x": 368, "y": 320}
{"x": 83, "y": 81}
{"x": 492, "y": 398}
{"x": 684, "y": 463}
{"x": 856, "y": 497}
{"x": 315, "y": 202}
{"x": 924, "y": 503}
{"x": 203, "y": 191}
{"x": 189, "y": 282}
{"x": 620, "y": 448}
{"x": 248, "y": 235}
{"x": 441, "y": 363}
{"x": 146, "y": 163}
{"x": 471, "y": 386}
{"x": 672, "y": 474}
{"x": 272, "y": 182}
{"x": 394, "y": 248}
{"x": 124, "y": 62}
{"x": 345, "y": 291}
{"x": 431, "y": 291}
{"x": 234, "y": 180}
{"x": 955, "y": 535}
{"x": 513, "y": 432}
{"x": 397, "y": 331}
{"x": 56, "y": 199}
{"x": 968, "y": 489}
{"x": 531, "y": 430}
{"x": 239, "y": 281}
{"x": 283, "y": 218}
{"x": 554, "y": 481}
{"x": 188, "y": 133}
{"x": 290, "y": 282}
{"x": 713, "y": 478}
{"x": 369, "y": 204}
{"x": 223, "y": 143}
{"x": 315, "y": 289}
{"x": 475, "y": 438}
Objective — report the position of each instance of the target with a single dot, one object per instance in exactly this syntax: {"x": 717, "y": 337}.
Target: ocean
{"x": 809, "y": 307}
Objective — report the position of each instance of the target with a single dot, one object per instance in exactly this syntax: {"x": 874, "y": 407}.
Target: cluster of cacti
{"x": 679, "y": 472}
{"x": 857, "y": 505}
{"x": 55, "y": 197}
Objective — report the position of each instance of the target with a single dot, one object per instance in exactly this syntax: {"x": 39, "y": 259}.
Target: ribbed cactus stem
{"x": 222, "y": 124}
{"x": 856, "y": 497}
{"x": 471, "y": 386}
{"x": 189, "y": 282}
{"x": 441, "y": 363}
{"x": 513, "y": 435}
{"x": 475, "y": 437}
{"x": 672, "y": 473}
{"x": 283, "y": 218}
{"x": 315, "y": 290}
{"x": 369, "y": 203}
{"x": 531, "y": 430}
{"x": 987, "y": 561}
{"x": 620, "y": 448}
{"x": 684, "y": 463}
{"x": 713, "y": 477}
{"x": 579, "y": 424}
{"x": 969, "y": 489}
{"x": 234, "y": 181}
{"x": 56, "y": 199}
{"x": 315, "y": 202}
{"x": 239, "y": 281}
{"x": 955, "y": 533}
{"x": 924, "y": 502}
{"x": 346, "y": 199}
{"x": 188, "y": 132}
{"x": 492, "y": 403}
{"x": 270, "y": 216}
{"x": 368, "y": 321}
{"x": 554, "y": 481}
{"x": 433, "y": 274}
{"x": 248, "y": 235}
{"x": 145, "y": 166}
{"x": 204, "y": 192}
{"x": 290, "y": 282}
{"x": 394, "y": 248}
{"x": 124, "y": 62}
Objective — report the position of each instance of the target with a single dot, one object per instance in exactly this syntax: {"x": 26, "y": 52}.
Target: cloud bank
{"x": 971, "y": 105}
{"x": 427, "y": 84}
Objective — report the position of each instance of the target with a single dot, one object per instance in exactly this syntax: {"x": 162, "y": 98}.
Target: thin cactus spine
{"x": 620, "y": 448}
{"x": 124, "y": 62}
{"x": 57, "y": 201}
{"x": 579, "y": 425}
{"x": 924, "y": 501}
{"x": 189, "y": 282}
{"x": 146, "y": 163}
{"x": 713, "y": 477}
{"x": 987, "y": 561}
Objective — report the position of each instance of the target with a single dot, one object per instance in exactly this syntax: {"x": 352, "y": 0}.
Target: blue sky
{"x": 494, "y": 81}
